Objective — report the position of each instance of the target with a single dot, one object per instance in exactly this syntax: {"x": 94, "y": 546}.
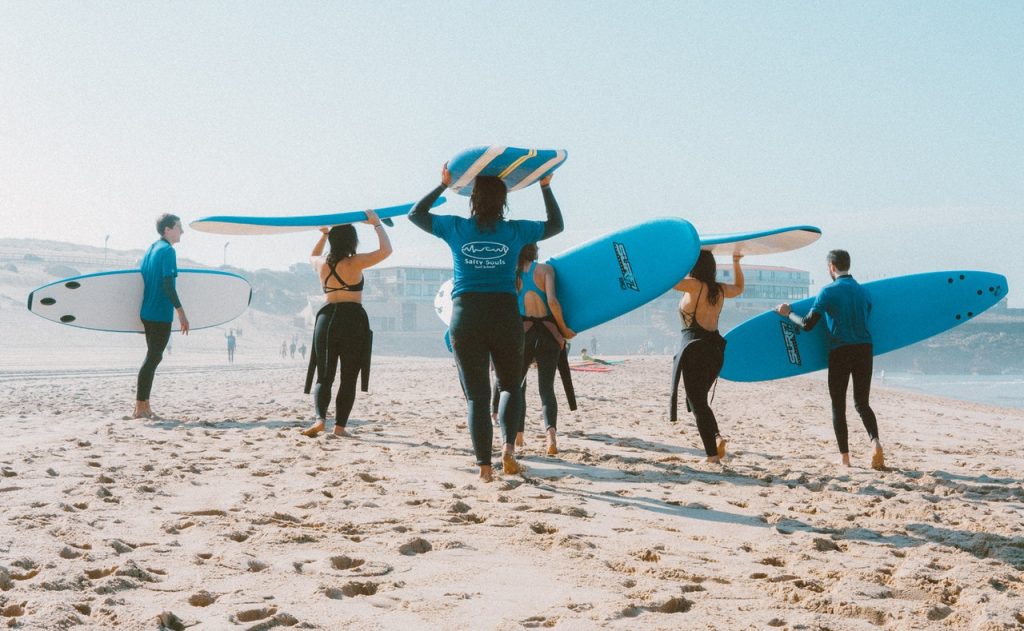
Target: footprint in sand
{"x": 202, "y": 599}
{"x": 343, "y": 562}
{"x": 252, "y": 615}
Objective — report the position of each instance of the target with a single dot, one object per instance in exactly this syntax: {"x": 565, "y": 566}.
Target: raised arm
{"x": 420, "y": 213}
{"x": 318, "y": 249}
{"x": 804, "y": 322}
{"x": 735, "y": 288}
{"x": 554, "y": 223}
{"x": 554, "y": 305}
{"x": 383, "y": 251}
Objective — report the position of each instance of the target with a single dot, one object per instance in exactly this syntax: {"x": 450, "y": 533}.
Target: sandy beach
{"x": 225, "y": 517}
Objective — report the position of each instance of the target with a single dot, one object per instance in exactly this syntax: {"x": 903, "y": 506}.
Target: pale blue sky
{"x": 896, "y": 127}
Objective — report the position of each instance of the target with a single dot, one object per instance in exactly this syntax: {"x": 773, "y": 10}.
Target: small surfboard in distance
{"x": 244, "y": 225}
{"x": 760, "y": 242}
{"x": 110, "y": 301}
{"x": 602, "y": 279}
{"x": 518, "y": 167}
{"x": 904, "y": 310}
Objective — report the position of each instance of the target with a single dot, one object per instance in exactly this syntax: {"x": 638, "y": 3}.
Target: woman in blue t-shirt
{"x": 485, "y": 324}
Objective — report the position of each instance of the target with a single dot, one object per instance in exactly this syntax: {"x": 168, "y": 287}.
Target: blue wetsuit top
{"x": 846, "y": 307}
{"x": 485, "y": 261}
{"x": 529, "y": 285}
{"x": 159, "y": 268}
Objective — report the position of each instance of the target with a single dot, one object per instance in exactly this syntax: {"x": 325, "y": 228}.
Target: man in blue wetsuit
{"x": 159, "y": 302}
{"x": 845, "y": 306}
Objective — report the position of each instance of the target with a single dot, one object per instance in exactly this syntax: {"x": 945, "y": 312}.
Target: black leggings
{"x": 700, "y": 361}
{"x": 339, "y": 337}
{"x": 541, "y": 346}
{"x": 486, "y": 327}
{"x": 855, "y": 360}
{"x": 157, "y": 336}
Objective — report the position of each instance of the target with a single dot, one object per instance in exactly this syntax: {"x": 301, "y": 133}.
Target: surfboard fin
{"x": 387, "y": 222}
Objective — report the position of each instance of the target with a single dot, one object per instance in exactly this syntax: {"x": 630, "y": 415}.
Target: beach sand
{"x": 223, "y": 515}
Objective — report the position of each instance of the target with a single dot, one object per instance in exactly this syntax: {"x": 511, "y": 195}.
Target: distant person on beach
{"x": 846, "y": 307}
{"x": 284, "y": 349}
{"x": 545, "y": 333}
{"x": 703, "y": 351}
{"x": 292, "y": 349}
{"x": 593, "y": 343}
{"x": 231, "y": 345}
{"x": 341, "y": 333}
{"x": 159, "y": 302}
{"x": 302, "y": 350}
{"x": 485, "y": 321}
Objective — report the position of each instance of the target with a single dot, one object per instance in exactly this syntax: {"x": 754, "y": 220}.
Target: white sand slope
{"x": 225, "y": 516}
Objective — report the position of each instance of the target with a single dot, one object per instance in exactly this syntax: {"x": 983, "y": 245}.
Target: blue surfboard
{"x": 610, "y": 276}
{"x": 518, "y": 167}
{"x": 237, "y": 224}
{"x": 761, "y": 241}
{"x": 905, "y": 310}
{"x": 110, "y": 301}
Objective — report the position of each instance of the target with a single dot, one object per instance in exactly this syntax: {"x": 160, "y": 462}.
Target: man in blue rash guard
{"x": 485, "y": 323}
{"x": 159, "y": 302}
{"x": 846, "y": 306}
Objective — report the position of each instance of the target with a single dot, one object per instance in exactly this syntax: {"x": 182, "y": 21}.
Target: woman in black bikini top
{"x": 700, "y": 359}
{"x": 341, "y": 334}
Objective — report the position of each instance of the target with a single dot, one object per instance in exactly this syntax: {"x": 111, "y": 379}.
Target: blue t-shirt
{"x": 159, "y": 262}
{"x": 485, "y": 261}
{"x": 846, "y": 307}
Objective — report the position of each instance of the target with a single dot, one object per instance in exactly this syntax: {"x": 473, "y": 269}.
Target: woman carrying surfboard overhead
{"x": 485, "y": 321}
{"x": 700, "y": 359}
{"x": 545, "y": 334}
{"x": 341, "y": 334}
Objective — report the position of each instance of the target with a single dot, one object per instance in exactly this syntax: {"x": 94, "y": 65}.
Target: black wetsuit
{"x": 698, "y": 362}
{"x": 341, "y": 336}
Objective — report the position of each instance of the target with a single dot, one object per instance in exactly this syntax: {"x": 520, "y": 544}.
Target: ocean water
{"x": 1002, "y": 390}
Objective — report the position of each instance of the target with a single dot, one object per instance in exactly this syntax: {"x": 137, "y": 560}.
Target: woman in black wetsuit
{"x": 545, "y": 334}
{"x": 485, "y": 324}
{"x": 342, "y": 333}
{"x": 700, "y": 359}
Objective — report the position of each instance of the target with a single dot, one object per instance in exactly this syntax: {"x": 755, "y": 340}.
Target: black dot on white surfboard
{"x": 73, "y": 284}
{"x": 66, "y": 319}
{"x": 47, "y": 301}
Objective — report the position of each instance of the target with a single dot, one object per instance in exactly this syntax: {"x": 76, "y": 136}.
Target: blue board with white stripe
{"x": 518, "y": 167}
{"x": 242, "y": 224}
{"x": 904, "y": 310}
{"x": 760, "y": 241}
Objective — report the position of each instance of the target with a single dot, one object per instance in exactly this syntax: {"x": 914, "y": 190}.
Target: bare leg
{"x": 142, "y": 410}
{"x": 845, "y": 461}
{"x": 519, "y": 439}
{"x": 315, "y": 429}
{"x": 721, "y": 442}
{"x": 508, "y": 460}
{"x": 877, "y": 458}
{"x": 552, "y": 442}
{"x": 340, "y": 431}
{"x": 486, "y": 474}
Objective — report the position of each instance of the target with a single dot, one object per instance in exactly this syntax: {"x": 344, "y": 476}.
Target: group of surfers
{"x": 506, "y": 316}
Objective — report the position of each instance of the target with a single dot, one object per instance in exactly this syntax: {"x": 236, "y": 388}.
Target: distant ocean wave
{"x": 1001, "y": 390}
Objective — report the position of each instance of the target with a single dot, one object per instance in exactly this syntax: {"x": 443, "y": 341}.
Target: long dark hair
{"x": 488, "y": 201}
{"x": 343, "y": 242}
{"x": 704, "y": 270}
{"x": 528, "y": 253}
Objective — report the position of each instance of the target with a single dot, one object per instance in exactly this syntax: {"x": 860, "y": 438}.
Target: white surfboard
{"x": 761, "y": 241}
{"x": 110, "y": 301}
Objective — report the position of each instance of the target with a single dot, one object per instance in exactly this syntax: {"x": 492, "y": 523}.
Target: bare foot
{"x": 141, "y": 410}
{"x": 552, "y": 443}
{"x": 340, "y": 431}
{"x": 845, "y": 460}
{"x": 314, "y": 430}
{"x": 713, "y": 459}
{"x": 486, "y": 474}
{"x": 509, "y": 464}
{"x": 878, "y": 458}
{"x": 519, "y": 439}
{"x": 721, "y": 448}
